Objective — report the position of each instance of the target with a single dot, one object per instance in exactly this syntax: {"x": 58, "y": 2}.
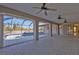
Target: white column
{"x": 50, "y": 29}
{"x": 58, "y": 29}
{"x": 36, "y": 29}
{"x": 65, "y": 29}
{"x": 1, "y": 30}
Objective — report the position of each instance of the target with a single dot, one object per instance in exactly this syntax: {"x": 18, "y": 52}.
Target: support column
{"x": 50, "y": 29}
{"x": 36, "y": 29}
{"x": 1, "y": 30}
{"x": 65, "y": 29}
{"x": 58, "y": 29}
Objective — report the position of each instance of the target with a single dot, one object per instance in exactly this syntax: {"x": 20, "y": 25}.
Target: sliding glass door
{"x": 17, "y": 30}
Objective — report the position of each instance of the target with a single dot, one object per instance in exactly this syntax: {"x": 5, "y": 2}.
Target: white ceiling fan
{"x": 44, "y": 8}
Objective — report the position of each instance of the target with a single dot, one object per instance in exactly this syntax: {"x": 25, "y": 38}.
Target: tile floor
{"x": 56, "y": 45}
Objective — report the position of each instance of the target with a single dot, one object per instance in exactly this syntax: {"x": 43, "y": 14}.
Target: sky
{"x": 8, "y": 19}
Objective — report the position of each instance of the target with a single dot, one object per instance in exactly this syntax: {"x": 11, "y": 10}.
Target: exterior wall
{"x": 1, "y": 30}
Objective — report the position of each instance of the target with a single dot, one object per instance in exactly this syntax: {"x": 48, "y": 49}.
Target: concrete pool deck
{"x": 21, "y": 39}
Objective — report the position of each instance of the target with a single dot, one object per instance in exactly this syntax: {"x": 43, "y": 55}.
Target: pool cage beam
{"x": 11, "y": 26}
{"x": 30, "y": 25}
{"x": 26, "y": 25}
{"x": 22, "y": 25}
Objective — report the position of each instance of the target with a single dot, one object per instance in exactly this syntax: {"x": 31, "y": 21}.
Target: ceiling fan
{"x": 44, "y": 8}
{"x": 60, "y": 17}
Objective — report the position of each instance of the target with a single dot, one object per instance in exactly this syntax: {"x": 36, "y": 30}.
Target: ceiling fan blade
{"x": 45, "y": 13}
{"x": 51, "y": 9}
{"x": 39, "y": 11}
{"x": 36, "y": 7}
{"x": 44, "y": 4}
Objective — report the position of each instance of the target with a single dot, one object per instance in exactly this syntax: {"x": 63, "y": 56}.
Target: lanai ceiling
{"x": 68, "y": 11}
